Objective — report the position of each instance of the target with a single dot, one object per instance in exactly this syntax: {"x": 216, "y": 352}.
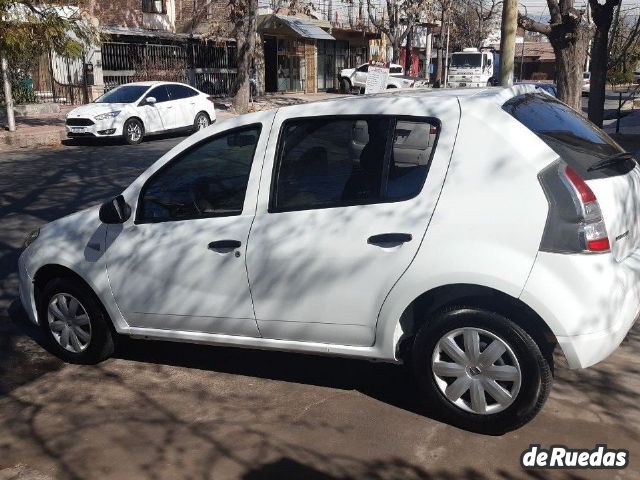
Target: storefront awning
{"x": 299, "y": 26}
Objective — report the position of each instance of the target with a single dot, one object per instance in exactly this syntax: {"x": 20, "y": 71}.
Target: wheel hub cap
{"x": 69, "y": 322}
{"x": 476, "y": 370}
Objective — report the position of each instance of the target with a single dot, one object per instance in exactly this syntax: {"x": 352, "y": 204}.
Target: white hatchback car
{"x": 135, "y": 110}
{"x": 466, "y": 231}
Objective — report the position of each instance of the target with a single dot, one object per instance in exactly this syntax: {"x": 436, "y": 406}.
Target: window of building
{"x": 154, "y": 6}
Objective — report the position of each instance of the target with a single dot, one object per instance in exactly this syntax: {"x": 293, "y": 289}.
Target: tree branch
{"x": 532, "y": 26}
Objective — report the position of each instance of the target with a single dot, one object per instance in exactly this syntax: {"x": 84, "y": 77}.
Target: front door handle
{"x": 224, "y": 245}
{"x": 389, "y": 239}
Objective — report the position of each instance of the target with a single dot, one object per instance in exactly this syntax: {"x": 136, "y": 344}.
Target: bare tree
{"x": 473, "y": 21}
{"x": 569, "y": 34}
{"x": 397, "y": 20}
{"x": 244, "y": 18}
{"x": 606, "y": 18}
{"x": 445, "y": 15}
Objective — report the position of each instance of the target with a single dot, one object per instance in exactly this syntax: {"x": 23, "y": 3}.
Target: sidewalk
{"x": 47, "y": 130}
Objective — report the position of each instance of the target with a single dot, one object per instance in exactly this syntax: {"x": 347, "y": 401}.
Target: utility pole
{"x": 8, "y": 97}
{"x": 508, "y": 41}
{"x": 446, "y": 58}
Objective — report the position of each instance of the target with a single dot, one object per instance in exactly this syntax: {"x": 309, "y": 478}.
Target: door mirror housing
{"x": 115, "y": 211}
{"x": 150, "y": 100}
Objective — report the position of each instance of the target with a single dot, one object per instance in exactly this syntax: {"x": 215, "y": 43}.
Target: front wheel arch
{"x": 49, "y": 272}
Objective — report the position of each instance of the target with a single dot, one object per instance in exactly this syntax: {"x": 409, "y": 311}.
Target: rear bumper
{"x": 590, "y": 302}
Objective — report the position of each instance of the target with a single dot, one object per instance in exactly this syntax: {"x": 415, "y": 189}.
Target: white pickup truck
{"x": 357, "y": 78}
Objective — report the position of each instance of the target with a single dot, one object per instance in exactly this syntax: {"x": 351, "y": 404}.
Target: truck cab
{"x": 473, "y": 68}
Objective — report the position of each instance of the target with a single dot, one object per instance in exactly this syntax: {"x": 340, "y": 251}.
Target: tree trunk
{"x": 603, "y": 18}
{"x": 8, "y": 97}
{"x": 407, "y": 53}
{"x": 570, "y": 45}
{"x": 598, "y": 81}
{"x": 246, "y": 31}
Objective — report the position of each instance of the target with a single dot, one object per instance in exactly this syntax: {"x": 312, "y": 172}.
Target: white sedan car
{"x": 467, "y": 232}
{"x": 135, "y": 110}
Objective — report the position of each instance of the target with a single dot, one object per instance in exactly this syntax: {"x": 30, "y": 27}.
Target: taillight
{"x": 574, "y": 223}
{"x": 433, "y": 130}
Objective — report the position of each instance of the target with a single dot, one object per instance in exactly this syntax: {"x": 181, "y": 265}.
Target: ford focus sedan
{"x": 135, "y": 110}
{"x": 467, "y": 233}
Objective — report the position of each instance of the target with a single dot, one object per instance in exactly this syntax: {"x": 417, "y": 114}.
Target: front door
{"x": 158, "y": 116}
{"x": 344, "y": 220}
{"x": 181, "y": 265}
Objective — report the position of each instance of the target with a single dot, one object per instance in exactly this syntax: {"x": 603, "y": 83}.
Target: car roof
{"x": 152, "y": 83}
{"x": 441, "y": 98}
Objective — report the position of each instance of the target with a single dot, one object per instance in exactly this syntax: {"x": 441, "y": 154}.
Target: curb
{"x": 49, "y": 138}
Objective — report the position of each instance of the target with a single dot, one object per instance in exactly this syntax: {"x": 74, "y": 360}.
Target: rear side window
{"x": 177, "y": 92}
{"x": 332, "y": 162}
{"x": 574, "y": 138}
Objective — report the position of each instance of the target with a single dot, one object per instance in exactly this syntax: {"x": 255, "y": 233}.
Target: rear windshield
{"x": 574, "y": 138}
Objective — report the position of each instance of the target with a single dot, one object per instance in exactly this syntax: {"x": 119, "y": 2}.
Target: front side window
{"x": 160, "y": 93}
{"x": 331, "y": 162}
{"x": 208, "y": 180}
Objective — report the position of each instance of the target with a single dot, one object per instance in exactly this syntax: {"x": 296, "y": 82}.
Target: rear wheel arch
{"x": 429, "y": 303}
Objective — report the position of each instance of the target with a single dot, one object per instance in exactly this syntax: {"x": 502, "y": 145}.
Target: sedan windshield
{"x": 466, "y": 60}
{"x": 123, "y": 94}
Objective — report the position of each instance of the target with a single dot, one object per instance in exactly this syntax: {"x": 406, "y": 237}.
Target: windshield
{"x": 466, "y": 60}
{"x": 123, "y": 94}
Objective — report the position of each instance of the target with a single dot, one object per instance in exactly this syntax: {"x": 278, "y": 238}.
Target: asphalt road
{"x": 164, "y": 410}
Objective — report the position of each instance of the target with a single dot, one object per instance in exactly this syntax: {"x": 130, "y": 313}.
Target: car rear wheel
{"x": 201, "y": 121}
{"x": 480, "y": 370}
{"x": 133, "y": 131}
{"x": 75, "y": 325}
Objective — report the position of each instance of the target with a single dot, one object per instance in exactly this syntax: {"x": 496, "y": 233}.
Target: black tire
{"x": 345, "y": 85}
{"x": 200, "y": 120}
{"x": 389, "y": 87}
{"x": 536, "y": 376}
{"x": 133, "y": 131}
{"x": 101, "y": 342}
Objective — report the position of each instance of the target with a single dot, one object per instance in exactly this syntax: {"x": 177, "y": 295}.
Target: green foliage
{"x": 29, "y": 28}
{"x": 23, "y": 92}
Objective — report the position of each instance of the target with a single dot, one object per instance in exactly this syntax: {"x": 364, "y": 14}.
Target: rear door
{"x": 183, "y": 99}
{"x": 582, "y": 145}
{"x": 337, "y": 225}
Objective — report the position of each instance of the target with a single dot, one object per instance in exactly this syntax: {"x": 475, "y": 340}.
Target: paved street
{"x": 164, "y": 410}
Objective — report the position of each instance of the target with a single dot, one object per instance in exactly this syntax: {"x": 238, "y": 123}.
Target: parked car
{"x": 357, "y": 78}
{"x": 135, "y": 110}
{"x": 550, "y": 88}
{"x": 586, "y": 83}
{"x": 329, "y": 228}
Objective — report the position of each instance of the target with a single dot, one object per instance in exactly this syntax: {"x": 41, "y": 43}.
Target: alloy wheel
{"x": 476, "y": 370}
{"x": 134, "y": 131}
{"x": 202, "y": 122}
{"x": 69, "y": 322}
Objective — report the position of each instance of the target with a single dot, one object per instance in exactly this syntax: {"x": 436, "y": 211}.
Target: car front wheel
{"x": 74, "y": 323}
{"x": 480, "y": 370}
{"x": 133, "y": 131}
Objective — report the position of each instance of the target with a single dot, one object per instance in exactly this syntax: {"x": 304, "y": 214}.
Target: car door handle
{"x": 389, "y": 239}
{"x": 224, "y": 245}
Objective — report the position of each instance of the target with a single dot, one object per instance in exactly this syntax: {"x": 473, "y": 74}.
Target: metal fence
{"x": 49, "y": 78}
{"x": 208, "y": 66}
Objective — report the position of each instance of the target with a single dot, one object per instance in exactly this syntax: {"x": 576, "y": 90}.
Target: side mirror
{"x": 115, "y": 211}
{"x": 150, "y": 100}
